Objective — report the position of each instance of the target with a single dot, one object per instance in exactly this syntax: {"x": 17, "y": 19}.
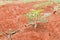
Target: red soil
{"x": 11, "y": 17}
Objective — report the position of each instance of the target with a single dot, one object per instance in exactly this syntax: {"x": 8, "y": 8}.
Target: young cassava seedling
{"x": 33, "y": 16}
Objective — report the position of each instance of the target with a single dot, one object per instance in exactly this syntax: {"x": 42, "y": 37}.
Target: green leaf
{"x": 35, "y": 12}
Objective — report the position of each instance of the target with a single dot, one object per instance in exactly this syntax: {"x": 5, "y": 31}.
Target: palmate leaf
{"x": 34, "y": 13}
{"x": 37, "y": 11}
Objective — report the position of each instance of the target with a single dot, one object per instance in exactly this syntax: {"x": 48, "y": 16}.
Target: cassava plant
{"x": 33, "y": 16}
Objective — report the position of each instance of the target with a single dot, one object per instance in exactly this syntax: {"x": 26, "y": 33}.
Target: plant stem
{"x": 15, "y": 32}
{"x": 10, "y": 36}
{"x": 35, "y": 26}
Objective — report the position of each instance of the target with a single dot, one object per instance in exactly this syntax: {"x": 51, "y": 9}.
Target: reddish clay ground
{"x": 11, "y": 17}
